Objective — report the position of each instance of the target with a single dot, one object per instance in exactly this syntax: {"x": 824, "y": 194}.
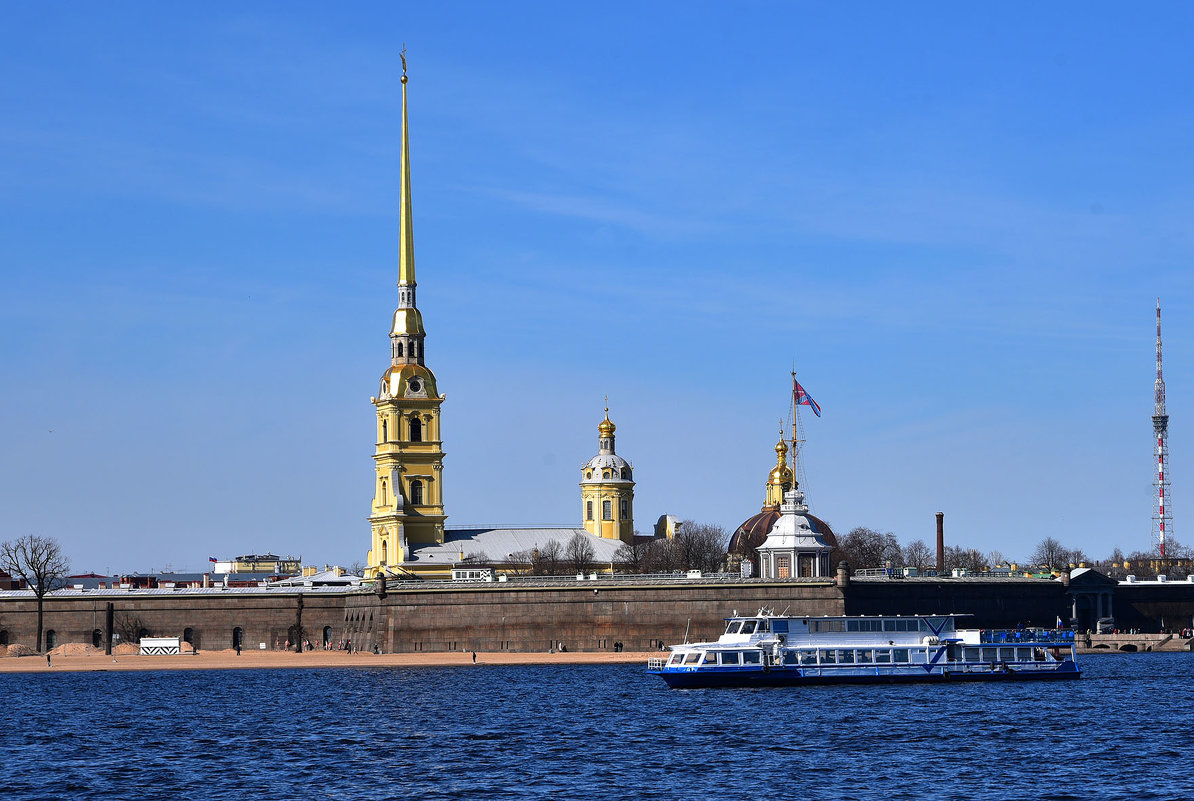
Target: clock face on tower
{"x": 415, "y": 385}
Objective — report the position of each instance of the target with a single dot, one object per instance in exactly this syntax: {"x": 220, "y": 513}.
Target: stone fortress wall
{"x": 537, "y": 615}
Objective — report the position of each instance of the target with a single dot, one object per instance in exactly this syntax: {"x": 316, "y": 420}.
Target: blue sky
{"x": 954, "y": 221}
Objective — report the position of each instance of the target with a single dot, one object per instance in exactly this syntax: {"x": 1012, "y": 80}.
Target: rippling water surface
{"x": 592, "y": 732}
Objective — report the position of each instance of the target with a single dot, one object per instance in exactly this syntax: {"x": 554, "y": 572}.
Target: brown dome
{"x": 750, "y": 535}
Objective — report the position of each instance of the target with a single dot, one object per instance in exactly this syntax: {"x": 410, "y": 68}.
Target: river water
{"x": 1124, "y": 731}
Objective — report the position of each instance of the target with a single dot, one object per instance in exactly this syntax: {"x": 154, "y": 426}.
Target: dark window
{"x": 400, "y": 349}
{"x": 589, "y": 510}
{"x": 607, "y": 510}
{"x": 385, "y": 430}
{"x": 416, "y": 429}
{"x": 416, "y": 492}
{"x": 188, "y": 635}
{"x": 97, "y": 638}
{"x": 4, "y": 637}
{"x": 625, "y": 508}
{"x": 51, "y": 639}
{"x": 238, "y": 637}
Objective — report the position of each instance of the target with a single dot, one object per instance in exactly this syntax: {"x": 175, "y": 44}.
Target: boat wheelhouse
{"x": 775, "y": 650}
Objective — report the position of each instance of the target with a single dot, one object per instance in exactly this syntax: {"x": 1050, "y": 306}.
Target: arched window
{"x": 607, "y": 510}
{"x": 385, "y": 430}
{"x": 588, "y": 474}
{"x": 384, "y": 493}
{"x": 238, "y": 637}
{"x": 625, "y": 508}
{"x": 416, "y": 492}
{"x": 385, "y": 551}
{"x": 605, "y": 474}
{"x": 400, "y": 354}
{"x": 327, "y": 636}
{"x": 416, "y": 428}
{"x": 589, "y": 510}
{"x": 51, "y": 639}
{"x": 188, "y": 635}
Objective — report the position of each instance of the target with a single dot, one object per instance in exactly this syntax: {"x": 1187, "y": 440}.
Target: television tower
{"x": 1163, "y": 519}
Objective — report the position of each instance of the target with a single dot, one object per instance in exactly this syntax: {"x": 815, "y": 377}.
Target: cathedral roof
{"x": 750, "y": 535}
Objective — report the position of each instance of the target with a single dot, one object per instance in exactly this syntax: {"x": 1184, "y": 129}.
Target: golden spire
{"x": 406, "y": 232}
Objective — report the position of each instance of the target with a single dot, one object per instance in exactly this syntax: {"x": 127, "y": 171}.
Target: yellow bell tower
{"x": 408, "y": 501}
{"x": 607, "y": 489}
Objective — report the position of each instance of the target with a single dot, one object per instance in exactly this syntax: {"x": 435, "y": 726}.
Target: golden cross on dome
{"x": 402, "y": 56}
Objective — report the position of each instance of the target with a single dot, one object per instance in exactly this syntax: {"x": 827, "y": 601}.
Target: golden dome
{"x": 606, "y": 428}
{"x": 780, "y": 474}
{"x": 407, "y": 322}
{"x": 781, "y": 447}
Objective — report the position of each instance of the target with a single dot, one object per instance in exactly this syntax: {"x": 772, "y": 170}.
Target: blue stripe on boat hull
{"x": 786, "y": 677}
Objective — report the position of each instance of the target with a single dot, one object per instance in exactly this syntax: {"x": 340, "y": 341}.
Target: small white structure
{"x": 793, "y": 547}
{"x": 160, "y": 646}
{"x": 474, "y": 573}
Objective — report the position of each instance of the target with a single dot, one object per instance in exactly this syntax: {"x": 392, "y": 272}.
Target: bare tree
{"x": 357, "y": 568}
{"x": 129, "y": 627}
{"x": 996, "y": 557}
{"x": 918, "y": 554}
{"x": 632, "y": 556}
{"x": 1049, "y": 553}
{"x": 547, "y": 559}
{"x": 970, "y": 559}
{"x": 579, "y": 552}
{"x": 38, "y": 561}
{"x": 864, "y": 547}
{"x": 700, "y": 546}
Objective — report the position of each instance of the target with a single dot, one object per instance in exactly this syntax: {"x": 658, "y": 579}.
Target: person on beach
{"x": 48, "y": 661}
{"x": 474, "y": 657}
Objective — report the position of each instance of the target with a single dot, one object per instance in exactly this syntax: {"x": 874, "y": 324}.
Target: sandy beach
{"x": 228, "y": 660}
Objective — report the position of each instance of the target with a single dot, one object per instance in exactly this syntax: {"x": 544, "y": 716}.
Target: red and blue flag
{"x": 802, "y": 398}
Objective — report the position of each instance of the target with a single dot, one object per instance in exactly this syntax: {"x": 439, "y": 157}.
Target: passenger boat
{"x": 777, "y": 650}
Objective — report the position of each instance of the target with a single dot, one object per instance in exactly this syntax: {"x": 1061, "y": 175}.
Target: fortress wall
{"x": 994, "y": 603}
{"x": 211, "y": 616}
{"x": 583, "y": 617}
{"x": 1152, "y": 606}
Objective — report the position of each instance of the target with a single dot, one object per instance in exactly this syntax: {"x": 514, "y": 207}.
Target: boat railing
{"x": 1015, "y": 636}
{"x": 656, "y": 662}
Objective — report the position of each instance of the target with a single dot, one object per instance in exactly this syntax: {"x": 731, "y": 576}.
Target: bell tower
{"x": 408, "y": 504}
{"x": 607, "y": 489}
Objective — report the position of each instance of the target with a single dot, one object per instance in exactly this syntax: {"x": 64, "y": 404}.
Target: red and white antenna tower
{"x": 1163, "y": 519}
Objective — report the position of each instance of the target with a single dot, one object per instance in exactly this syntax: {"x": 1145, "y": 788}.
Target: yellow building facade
{"x": 408, "y": 501}
{"x": 607, "y": 489}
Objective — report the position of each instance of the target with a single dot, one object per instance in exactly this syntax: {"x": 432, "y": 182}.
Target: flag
{"x": 212, "y": 559}
{"x": 802, "y": 398}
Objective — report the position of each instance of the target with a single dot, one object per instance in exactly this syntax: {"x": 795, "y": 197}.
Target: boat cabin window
{"x": 692, "y": 658}
{"x": 883, "y": 656}
{"x": 779, "y": 626}
{"x": 748, "y": 626}
{"x": 791, "y": 658}
{"x": 676, "y": 659}
{"x": 900, "y": 655}
{"x": 864, "y": 625}
{"x": 990, "y": 655}
{"x": 808, "y": 657}
{"x": 734, "y": 627}
{"x": 845, "y": 657}
{"x": 1023, "y": 654}
{"x": 751, "y": 657}
{"x": 764, "y": 626}
{"x": 865, "y": 657}
{"x": 820, "y": 626}
{"x": 710, "y": 658}
{"x": 911, "y": 624}
{"x": 729, "y": 657}
{"x": 828, "y": 657}
{"x": 970, "y": 654}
